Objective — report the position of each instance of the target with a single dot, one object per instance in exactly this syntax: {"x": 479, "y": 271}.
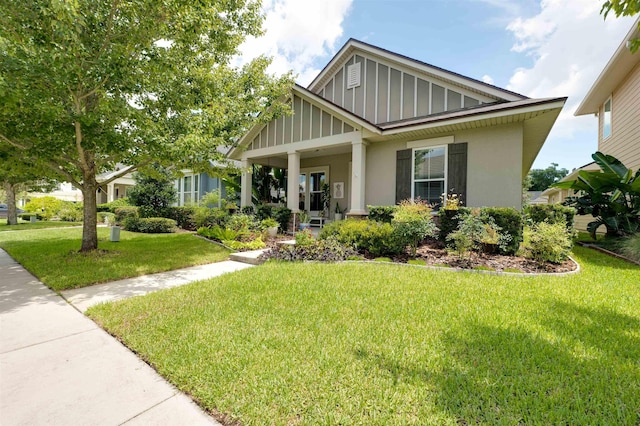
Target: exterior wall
{"x": 389, "y": 92}
{"x": 494, "y": 168}
{"x": 624, "y": 142}
{"x": 338, "y": 166}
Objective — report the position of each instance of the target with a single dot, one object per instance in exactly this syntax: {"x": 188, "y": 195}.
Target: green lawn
{"x": 387, "y": 344}
{"x": 52, "y": 255}
{"x": 22, "y": 226}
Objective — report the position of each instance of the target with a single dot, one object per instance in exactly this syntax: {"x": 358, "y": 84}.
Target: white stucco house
{"x": 380, "y": 127}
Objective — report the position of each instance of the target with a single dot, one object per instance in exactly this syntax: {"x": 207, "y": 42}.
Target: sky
{"x": 541, "y": 49}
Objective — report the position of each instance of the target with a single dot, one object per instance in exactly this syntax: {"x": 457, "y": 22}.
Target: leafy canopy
{"x": 623, "y": 8}
{"x": 541, "y": 179}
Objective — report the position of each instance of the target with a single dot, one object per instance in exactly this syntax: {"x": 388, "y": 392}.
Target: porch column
{"x": 358, "y": 177}
{"x": 111, "y": 192}
{"x": 293, "y": 181}
{"x": 245, "y": 184}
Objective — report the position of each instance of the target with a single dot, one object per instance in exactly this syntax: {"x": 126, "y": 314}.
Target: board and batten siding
{"x": 624, "y": 142}
{"x": 308, "y": 121}
{"x": 389, "y": 92}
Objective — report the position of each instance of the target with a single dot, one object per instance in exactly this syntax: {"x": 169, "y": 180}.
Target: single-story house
{"x": 380, "y": 127}
{"x": 191, "y": 187}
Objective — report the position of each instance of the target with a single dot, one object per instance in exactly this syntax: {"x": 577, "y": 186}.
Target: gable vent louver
{"x": 353, "y": 75}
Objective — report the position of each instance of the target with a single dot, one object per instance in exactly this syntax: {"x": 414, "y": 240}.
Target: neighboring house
{"x": 381, "y": 127}
{"x": 192, "y": 186}
{"x": 536, "y": 197}
{"x": 614, "y": 98}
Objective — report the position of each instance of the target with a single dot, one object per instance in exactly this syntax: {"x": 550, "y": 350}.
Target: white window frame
{"x": 604, "y": 118}
{"x": 413, "y": 167}
{"x": 194, "y": 191}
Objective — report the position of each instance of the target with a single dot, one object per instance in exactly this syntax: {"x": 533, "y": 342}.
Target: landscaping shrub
{"x": 218, "y": 233}
{"x": 304, "y": 238}
{"x": 264, "y": 211}
{"x": 283, "y": 216}
{"x": 256, "y": 244}
{"x": 183, "y": 215}
{"x": 70, "y": 212}
{"x": 552, "y": 213}
{"x": 123, "y": 213}
{"x": 510, "y": 222}
{"x": 154, "y": 191}
{"x": 448, "y": 221}
{"x": 107, "y": 218}
{"x": 630, "y": 247}
{"x": 377, "y": 238}
{"x": 46, "y": 207}
{"x": 111, "y": 206}
{"x": 381, "y": 213}
{"x": 243, "y": 222}
{"x": 412, "y": 223}
{"x": 248, "y": 210}
{"x": 547, "y": 242}
{"x": 325, "y": 250}
{"x": 150, "y": 225}
{"x": 204, "y": 216}
{"x": 478, "y": 231}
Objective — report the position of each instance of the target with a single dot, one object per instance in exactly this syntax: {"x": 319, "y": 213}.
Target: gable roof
{"x": 353, "y": 45}
{"x": 618, "y": 67}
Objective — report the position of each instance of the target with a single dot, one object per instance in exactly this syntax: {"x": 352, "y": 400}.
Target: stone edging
{"x": 605, "y": 251}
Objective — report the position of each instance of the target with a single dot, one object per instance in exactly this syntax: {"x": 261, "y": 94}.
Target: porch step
{"x": 250, "y": 257}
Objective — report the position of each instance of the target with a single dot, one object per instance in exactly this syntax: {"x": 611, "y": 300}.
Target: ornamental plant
{"x": 412, "y": 222}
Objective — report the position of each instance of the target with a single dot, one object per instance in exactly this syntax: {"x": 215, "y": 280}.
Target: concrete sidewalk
{"x": 58, "y": 367}
{"x": 83, "y": 298}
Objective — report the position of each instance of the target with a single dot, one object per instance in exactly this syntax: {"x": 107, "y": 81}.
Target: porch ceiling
{"x": 280, "y": 159}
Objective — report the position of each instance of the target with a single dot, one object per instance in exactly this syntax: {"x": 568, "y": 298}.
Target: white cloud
{"x": 297, "y": 34}
{"x": 488, "y": 79}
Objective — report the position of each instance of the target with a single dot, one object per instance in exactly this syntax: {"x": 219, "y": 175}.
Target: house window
{"x": 188, "y": 190}
{"x": 429, "y": 171}
{"x": 606, "y": 120}
{"x": 310, "y": 186}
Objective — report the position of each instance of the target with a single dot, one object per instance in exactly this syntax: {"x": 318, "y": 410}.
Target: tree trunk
{"x": 90, "y": 221}
{"x": 12, "y": 215}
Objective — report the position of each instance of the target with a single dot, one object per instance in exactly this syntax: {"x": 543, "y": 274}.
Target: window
{"x": 188, "y": 190}
{"x": 606, "y": 120}
{"x": 310, "y": 186}
{"x": 429, "y": 171}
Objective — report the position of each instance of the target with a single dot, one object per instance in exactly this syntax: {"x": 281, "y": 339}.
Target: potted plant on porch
{"x": 304, "y": 220}
{"x": 339, "y": 212}
{"x": 270, "y": 225}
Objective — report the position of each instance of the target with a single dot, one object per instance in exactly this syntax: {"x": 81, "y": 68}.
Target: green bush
{"x": 47, "y": 207}
{"x": 630, "y": 247}
{"x": 547, "y": 242}
{"x": 412, "y": 223}
{"x": 256, "y": 244}
{"x": 264, "y": 211}
{"x": 304, "y": 238}
{"x": 183, "y": 215}
{"x": 218, "y": 233}
{"x": 377, "y": 238}
{"x": 243, "y": 222}
{"x": 70, "y": 212}
{"x": 510, "y": 222}
{"x": 478, "y": 231}
{"x": 123, "y": 213}
{"x": 204, "y": 216}
{"x": 111, "y": 206}
{"x": 552, "y": 213}
{"x": 106, "y": 218}
{"x": 381, "y": 213}
{"x": 150, "y": 225}
{"x": 283, "y": 216}
{"x": 448, "y": 221}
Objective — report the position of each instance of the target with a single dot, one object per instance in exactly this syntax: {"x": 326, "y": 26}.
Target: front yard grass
{"x": 23, "y": 226}
{"x": 52, "y": 255}
{"x": 387, "y": 344}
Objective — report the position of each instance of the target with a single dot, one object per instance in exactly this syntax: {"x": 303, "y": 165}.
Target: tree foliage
{"x": 623, "y": 8}
{"x": 88, "y": 84}
{"x": 154, "y": 190}
{"x": 541, "y": 179}
{"x": 611, "y": 196}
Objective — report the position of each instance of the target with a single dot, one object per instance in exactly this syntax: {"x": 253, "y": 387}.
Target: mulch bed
{"x": 434, "y": 254}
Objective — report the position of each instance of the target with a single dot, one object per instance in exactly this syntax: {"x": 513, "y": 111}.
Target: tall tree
{"x": 541, "y": 179}
{"x": 88, "y": 84}
{"x": 623, "y": 8}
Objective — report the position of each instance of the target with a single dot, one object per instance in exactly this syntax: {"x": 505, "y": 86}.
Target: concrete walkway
{"x": 58, "y": 367}
{"x": 83, "y": 298}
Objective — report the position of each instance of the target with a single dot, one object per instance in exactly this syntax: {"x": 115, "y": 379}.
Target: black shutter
{"x": 403, "y": 174}
{"x": 457, "y": 170}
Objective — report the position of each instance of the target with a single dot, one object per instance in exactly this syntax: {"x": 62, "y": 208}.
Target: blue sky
{"x": 538, "y": 48}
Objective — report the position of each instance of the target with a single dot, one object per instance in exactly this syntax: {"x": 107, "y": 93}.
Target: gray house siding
{"x": 389, "y": 92}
